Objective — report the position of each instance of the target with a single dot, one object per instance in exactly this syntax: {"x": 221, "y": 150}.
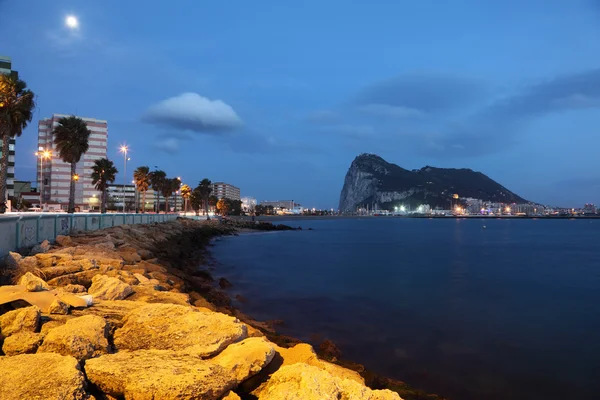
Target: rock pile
{"x": 141, "y": 338}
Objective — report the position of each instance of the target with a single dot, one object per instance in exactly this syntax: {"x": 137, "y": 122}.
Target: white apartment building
{"x": 6, "y": 68}
{"x": 56, "y": 174}
{"x": 248, "y": 204}
{"x": 225, "y": 190}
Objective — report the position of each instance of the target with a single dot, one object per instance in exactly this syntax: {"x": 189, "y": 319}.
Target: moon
{"x": 71, "y": 22}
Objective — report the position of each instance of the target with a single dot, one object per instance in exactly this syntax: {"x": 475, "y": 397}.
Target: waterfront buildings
{"x": 6, "y": 68}
{"x": 225, "y": 190}
{"x": 589, "y": 209}
{"x": 248, "y": 204}
{"x": 135, "y": 199}
{"x": 55, "y": 176}
{"x": 279, "y": 204}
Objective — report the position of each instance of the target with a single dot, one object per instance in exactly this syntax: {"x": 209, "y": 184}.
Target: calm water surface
{"x": 507, "y": 311}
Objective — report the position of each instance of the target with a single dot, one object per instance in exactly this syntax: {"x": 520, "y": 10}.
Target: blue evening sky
{"x": 278, "y": 97}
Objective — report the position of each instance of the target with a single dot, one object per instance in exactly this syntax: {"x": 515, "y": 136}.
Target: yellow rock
{"x": 305, "y": 382}
{"x": 41, "y": 376}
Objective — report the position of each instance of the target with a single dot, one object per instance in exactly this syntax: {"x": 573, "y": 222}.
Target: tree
{"x": 71, "y": 137}
{"x": 235, "y": 206}
{"x": 175, "y": 185}
{"x": 223, "y": 207}
{"x": 142, "y": 176}
{"x": 212, "y": 202}
{"x": 205, "y": 188}
{"x": 157, "y": 178}
{"x": 103, "y": 173}
{"x": 16, "y": 111}
{"x": 196, "y": 200}
{"x": 186, "y": 192}
{"x": 166, "y": 190}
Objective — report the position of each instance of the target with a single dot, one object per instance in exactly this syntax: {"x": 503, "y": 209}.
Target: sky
{"x": 279, "y": 97}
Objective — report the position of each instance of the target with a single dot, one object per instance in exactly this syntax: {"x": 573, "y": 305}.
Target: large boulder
{"x": 112, "y": 311}
{"x": 83, "y": 338}
{"x": 107, "y": 288}
{"x": 156, "y": 374}
{"x": 21, "y": 343}
{"x": 246, "y": 358}
{"x": 58, "y": 307}
{"x": 304, "y": 353}
{"x": 22, "y": 319}
{"x": 63, "y": 240}
{"x": 33, "y": 283}
{"x": 305, "y": 382}
{"x": 175, "y": 327}
{"x": 12, "y": 260}
{"x": 41, "y": 376}
{"x": 177, "y": 375}
{"x": 40, "y": 248}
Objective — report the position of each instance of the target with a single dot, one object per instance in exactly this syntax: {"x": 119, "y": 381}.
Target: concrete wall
{"x": 26, "y": 230}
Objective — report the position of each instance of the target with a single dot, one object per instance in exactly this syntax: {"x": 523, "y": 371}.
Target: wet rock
{"x": 148, "y": 294}
{"x": 145, "y": 254}
{"x": 41, "y": 376}
{"x": 224, "y": 283}
{"x": 175, "y": 327}
{"x": 64, "y": 241}
{"x": 83, "y": 338}
{"x": 21, "y": 343}
{"x": 329, "y": 350}
{"x": 306, "y": 382}
{"x": 107, "y": 288}
{"x": 32, "y": 283}
{"x": 23, "y": 319}
{"x": 43, "y": 247}
{"x": 58, "y": 307}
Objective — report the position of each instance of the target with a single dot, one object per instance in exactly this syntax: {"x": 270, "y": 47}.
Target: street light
{"x": 42, "y": 154}
{"x": 124, "y": 150}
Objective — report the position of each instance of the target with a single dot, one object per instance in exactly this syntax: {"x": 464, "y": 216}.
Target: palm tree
{"x": 16, "y": 110}
{"x": 71, "y": 138}
{"x": 103, "y": 173}
{"x": 142, "y": 176}
{"x": 175, "y": 185}
{"x": 186, "y": 192}
{"x": 167, "y": 190}
{"x": 196, "y": 200}
{"x": 205, "y": 188}
{"x": 157, "y": 178}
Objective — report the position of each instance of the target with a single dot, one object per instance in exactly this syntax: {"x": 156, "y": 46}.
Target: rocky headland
{"x": 127, "y": 313}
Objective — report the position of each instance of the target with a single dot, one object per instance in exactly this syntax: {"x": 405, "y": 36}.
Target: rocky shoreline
{"x": 125, "y": 312}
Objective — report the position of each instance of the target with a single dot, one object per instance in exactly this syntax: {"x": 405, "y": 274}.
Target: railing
{"x": 23, "y": 230}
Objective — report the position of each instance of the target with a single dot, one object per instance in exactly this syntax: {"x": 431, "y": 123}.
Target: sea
{"x": 464, "y": 308}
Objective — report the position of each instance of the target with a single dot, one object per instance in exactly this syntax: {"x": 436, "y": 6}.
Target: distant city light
{"x": 402, "y": 208}
{"x": 72, "y": 22}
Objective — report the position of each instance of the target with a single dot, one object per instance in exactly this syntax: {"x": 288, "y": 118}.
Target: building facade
{"x": 248, "y": 204}
{"x": 225, "y": 190}
{"x": 6, "y": 68}
{"x": 279, "y": 204}
{"x": 55, "y": 177}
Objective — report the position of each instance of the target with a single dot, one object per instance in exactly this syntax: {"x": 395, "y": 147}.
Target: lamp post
{"x": 41, "y": 153}
{"x": 123, "y": 150}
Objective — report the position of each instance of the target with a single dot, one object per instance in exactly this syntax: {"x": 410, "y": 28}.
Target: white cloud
{"x": 385, "y": 110}
{"x": 190, "y": 111}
